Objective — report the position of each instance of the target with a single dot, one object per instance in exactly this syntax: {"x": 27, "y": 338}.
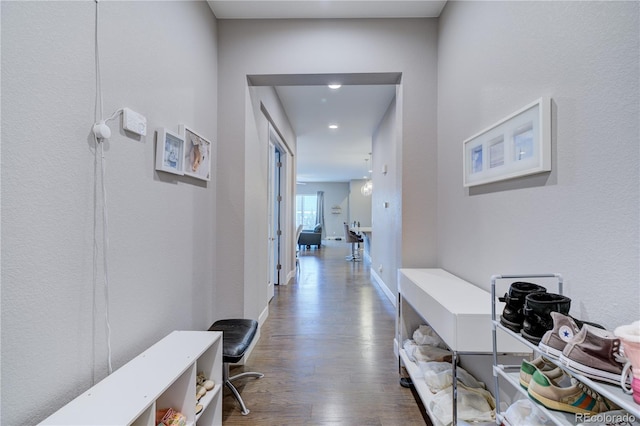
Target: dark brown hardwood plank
{"x": 326, "y": 351}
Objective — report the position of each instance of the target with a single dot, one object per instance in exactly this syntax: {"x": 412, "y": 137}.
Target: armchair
{"x": 312, "y": 237}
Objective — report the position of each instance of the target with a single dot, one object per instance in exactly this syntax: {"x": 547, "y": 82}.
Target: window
{"x": 306, "y": 211}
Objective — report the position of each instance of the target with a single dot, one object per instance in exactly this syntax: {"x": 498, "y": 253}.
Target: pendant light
{"x": 367, "y": 189}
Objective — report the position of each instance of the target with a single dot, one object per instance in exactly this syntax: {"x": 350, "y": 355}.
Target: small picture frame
{"x": 518, "y": 145}
{"x": 169, "y": 152}
{"x": 197, "y": 154}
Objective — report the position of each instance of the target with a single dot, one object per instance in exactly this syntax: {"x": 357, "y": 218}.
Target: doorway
{"x": 269, "y": 95}
{"x": 276, "y": 200}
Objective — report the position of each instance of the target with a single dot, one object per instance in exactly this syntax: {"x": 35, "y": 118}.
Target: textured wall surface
{"x": 386, "y": 222}
{"x": 256, "y": 198}
{"x": 183, "y": 253}
{"x": 315, "y": 47}
{"x": 582, "y": 219}
{"x": 161, "y": 228}
{"x": 359, "y": 205}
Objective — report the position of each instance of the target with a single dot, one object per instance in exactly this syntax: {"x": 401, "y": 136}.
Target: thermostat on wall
{"x": 134, "y": 122}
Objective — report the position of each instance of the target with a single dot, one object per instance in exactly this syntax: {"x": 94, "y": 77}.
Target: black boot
{"x": 512, "y": 315}
{"x": 537, "y": 314}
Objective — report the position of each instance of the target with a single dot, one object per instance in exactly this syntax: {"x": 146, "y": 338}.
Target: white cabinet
{"x": 511, "y": 373}
{"x": 163, "y": 376}
{"x": 457, "y": 310}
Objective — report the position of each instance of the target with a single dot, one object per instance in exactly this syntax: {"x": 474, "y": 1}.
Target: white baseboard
{"x": 290, "y": 276}
{"x": 383, "y": 287}
{"x": 263, "y": 315}
{"x": 261, "y": 319}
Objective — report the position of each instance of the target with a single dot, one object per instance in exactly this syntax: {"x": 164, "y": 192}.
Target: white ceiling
{"x": 334, "y": 155}
{"x": 296, "y": 9}
{"x": 325, "y": 155}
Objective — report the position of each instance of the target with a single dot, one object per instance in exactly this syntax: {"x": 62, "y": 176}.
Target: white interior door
{"x": 271, "y": 243}
{"x": 280, "y": 213}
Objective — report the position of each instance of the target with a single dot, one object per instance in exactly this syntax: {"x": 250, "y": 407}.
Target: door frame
{"x": 278, "y": 205}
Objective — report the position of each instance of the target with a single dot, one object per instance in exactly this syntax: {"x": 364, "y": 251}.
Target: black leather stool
{"x": 237, "y": 335}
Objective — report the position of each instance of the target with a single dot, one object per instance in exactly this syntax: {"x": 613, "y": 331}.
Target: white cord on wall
{"x": 105, "y": 241}
{"x": 98, "y": 107}
{"x": 105, "y": 255}
{"x": 101, "y": 133}
{"x": 95, "y": 253}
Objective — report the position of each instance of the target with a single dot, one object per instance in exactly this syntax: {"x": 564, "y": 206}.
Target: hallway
{"x": 326, "y": 351}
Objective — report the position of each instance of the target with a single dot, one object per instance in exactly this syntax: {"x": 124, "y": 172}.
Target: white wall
{"x": 256, "y": 197}
{"x": 359, "y": 205}
{"x": 582, "y": 219}
{"x": 316, "y": 47}
{"x": 385, "y": 252}
{"x": 335, "y": 194}
{"x": 161, "y": 228}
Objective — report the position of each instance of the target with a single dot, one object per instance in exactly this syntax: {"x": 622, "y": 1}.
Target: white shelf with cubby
{"x": 163, "y": 376}
{"x": 511, "y": 373}
{"x": 457, "y": 310}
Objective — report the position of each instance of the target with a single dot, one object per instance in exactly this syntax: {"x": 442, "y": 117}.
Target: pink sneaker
{"x": 629, "y": 335}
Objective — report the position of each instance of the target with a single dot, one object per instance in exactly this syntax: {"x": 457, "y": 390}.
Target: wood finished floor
{"x": 326, "y": 351}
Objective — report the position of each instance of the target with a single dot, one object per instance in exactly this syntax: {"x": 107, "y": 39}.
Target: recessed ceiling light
{"x": 333, "y": 126}
{"x": 335, "y": 86}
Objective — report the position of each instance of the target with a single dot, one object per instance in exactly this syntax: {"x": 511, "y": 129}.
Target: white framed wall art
{"x": 169, "y": 152}
{"x": 518, "y": 145}
{"x": 197, "y": 154}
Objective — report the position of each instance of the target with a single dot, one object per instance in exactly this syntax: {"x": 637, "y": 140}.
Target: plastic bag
{"x": 525, "y": 413}
{"x": 473, "y": 405}
{"x": 424, "y": 335}
{"x": 417, "y": 353}
{"x": 409, "y": 347}
{"x": 428, "y": 353}
{"x": 439, "y": 376}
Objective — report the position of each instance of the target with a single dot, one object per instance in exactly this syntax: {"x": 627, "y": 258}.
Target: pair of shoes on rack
{"x": 528, "y": 307}
{"x": 586, "y": 349}
{"x": 551, "y": 387}
{"x": 513, "y": 314}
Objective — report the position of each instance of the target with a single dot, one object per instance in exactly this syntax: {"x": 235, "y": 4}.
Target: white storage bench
{"x": 458, "y": 311}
